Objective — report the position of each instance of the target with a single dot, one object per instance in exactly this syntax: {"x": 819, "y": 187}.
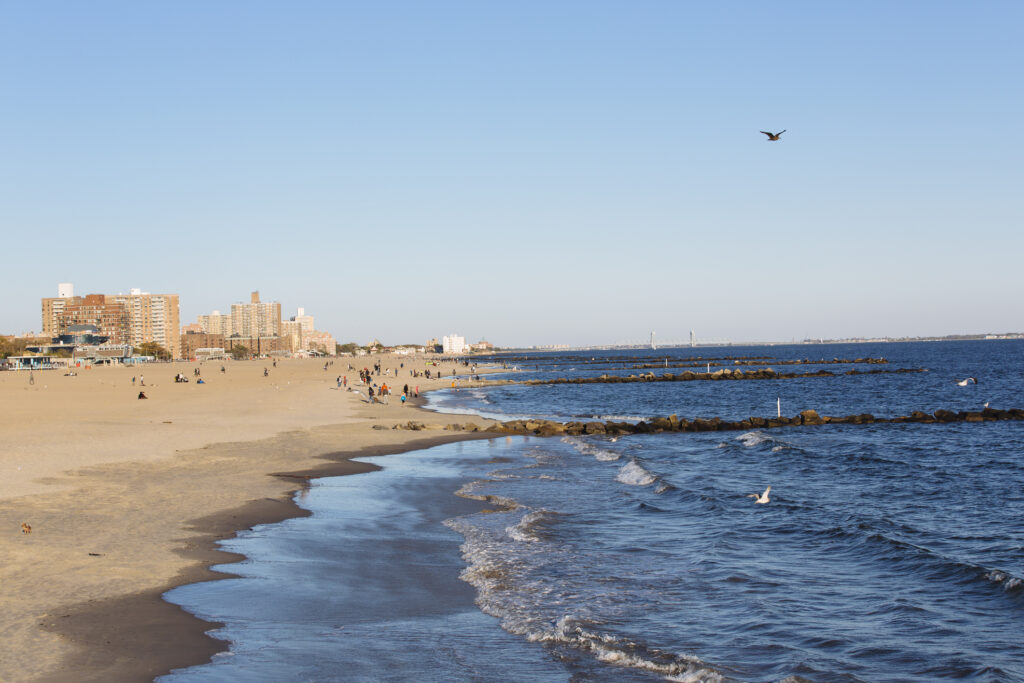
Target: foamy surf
{"x": 634, "y": 474}
{"x": 593, "y": 448}
{"x": 754, "y": 439}
{"x": 526, "y": 529}
{"x": 1008, "y": 582}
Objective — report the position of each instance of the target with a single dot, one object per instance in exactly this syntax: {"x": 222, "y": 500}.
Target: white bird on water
{"x": 763, "y": 498}
{"x": 965, "y": 382}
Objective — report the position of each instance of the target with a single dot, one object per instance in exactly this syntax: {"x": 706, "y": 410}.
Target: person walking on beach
{"x": 142, "y": 380}
{"x": 344, "y": 380}
{"x": 31, "y": 378}
{"x": 403, "y": 398}
{"x": 370, "y": 390}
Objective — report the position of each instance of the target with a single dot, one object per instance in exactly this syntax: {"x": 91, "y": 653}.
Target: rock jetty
{"x": 725, "y": 374}
{"x": 804, "y": 361}
{"x": 673, "y": 423}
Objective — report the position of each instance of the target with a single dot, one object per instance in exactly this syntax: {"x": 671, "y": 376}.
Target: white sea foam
{"x": 480, "y": 396}
{"x": 592, "y": 447}
{"x": 1007, "y": 581}
{"x": 616, "y": 651}
{"x": 634, "y": 474}
{"x": 751, "y": 439}
{"x": 528, "y": 604}
{"x": 526, "y": 529}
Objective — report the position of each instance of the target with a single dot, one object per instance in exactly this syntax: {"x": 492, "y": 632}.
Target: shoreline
{"x": 141, "y": 636}
{"x": 127, "y": 499}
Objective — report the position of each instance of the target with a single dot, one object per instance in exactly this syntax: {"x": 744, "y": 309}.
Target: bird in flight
{"x": 763, "y": 498}
{"x": 773, "y": 137}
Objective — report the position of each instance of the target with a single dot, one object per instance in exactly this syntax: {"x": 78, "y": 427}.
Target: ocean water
{"x": 888, "y": 552}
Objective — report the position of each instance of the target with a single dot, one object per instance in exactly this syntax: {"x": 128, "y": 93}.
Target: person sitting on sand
{"x": 142, "y": 394}
{"x": 200, "y": 381}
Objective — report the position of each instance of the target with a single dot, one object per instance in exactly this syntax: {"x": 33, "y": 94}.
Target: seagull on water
{"x": 773, "y": 137}
{"x": 965, "y": 382}
{"x": 763, "y": 498}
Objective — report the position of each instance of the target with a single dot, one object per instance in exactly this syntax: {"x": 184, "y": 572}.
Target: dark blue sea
{"x": 887, "y": 552}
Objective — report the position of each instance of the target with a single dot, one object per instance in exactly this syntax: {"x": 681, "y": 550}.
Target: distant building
{"x": 215, "y": 323}
{"x": 216, "y": 353}
{"x": 320, "y": 342}
{"x": 291, "y": 332}
{"x": 256, "y": 318}
{"x": 257, "y": 346}
{"x": 133, "y": 318}
{"x": 152, "y": 318}
{"x": 453, "y": 344}
{"x": 110, "y": 318}
{"x": 193, "y": 341}
{"x": 305, "y": 321}
{"x": 483, "y": 346}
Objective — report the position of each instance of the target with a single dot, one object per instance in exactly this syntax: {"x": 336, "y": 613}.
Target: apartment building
{"x": 132, "y": 318}
{"x": 256, "y": 319}
{"x": 152, "y": 318}
{"x": 216, "y": 323}
{"x": 53, "y": 307}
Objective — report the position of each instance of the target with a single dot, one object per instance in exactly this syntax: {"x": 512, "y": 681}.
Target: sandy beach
{"x": 126, "y": 497}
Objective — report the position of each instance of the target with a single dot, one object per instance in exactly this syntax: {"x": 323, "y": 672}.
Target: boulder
{"x": 661, "y": 424}
{"x": 551, "y": 429}
{"x": 811, "y": 417}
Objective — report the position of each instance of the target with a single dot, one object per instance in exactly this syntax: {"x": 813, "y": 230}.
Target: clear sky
{"x": 525, "y": 172}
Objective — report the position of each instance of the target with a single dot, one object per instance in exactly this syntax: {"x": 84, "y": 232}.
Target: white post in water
{"x": 778, "y": 406}
{"x": 709, "y": 368}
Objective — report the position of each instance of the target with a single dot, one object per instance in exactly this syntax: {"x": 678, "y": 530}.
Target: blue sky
{"x": 529, "y": 172}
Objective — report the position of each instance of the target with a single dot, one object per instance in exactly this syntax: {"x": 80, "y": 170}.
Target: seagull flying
{"x": 773, "y": 137}
{"x": 965, "y": 382}
{"x": 763, "y": 498}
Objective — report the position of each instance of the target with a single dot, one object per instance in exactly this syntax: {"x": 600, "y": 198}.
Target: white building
{"x": 453, "y": 344}
{"x": 305, "y": 321}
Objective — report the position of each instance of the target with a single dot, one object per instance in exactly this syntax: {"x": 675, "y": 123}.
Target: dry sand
{"x": 125, "y": 497}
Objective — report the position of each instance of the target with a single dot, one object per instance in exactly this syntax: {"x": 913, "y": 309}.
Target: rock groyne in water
{"x": 673, "y": 423}
{"x": 724, "y": 374}
{"x": 800, "y": 361}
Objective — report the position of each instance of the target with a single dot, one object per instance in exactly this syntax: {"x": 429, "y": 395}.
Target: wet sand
{"x": 126, "y": 497}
